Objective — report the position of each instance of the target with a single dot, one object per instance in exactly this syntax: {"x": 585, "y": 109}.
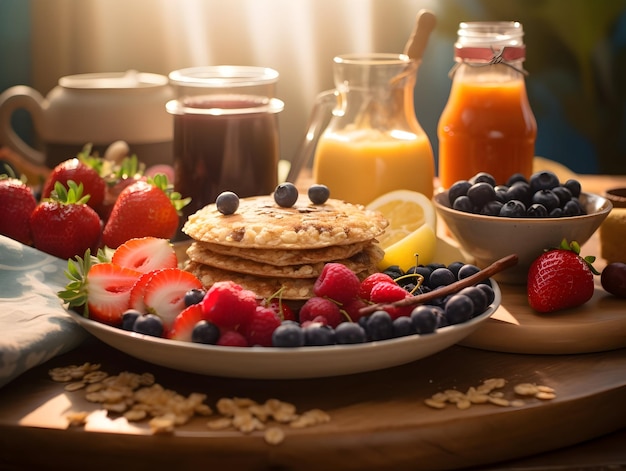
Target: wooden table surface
{"x": 378, "y": 420}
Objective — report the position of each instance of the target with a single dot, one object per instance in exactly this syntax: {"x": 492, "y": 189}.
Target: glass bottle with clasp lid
{"x": 487, "y": 124}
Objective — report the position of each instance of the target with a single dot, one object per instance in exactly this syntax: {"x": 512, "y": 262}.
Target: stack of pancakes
{"x": 266, "y": 248}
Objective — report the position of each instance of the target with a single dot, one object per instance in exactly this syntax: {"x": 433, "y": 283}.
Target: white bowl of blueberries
{"x": 523, "y": 217}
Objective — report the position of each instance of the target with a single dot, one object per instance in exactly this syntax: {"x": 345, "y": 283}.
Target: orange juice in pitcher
{"x": 373, "y": 142}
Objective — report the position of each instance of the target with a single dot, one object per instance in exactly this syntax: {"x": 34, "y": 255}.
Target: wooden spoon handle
{"x": 424, "y": 24}
{"x": 483, "y": 274}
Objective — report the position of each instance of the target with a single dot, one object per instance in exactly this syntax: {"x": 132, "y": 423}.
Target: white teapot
{"x": 97, "y": 109}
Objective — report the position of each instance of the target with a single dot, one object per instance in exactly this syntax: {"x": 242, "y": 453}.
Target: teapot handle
{"x": 12, "y": 99}
{"x": 320, "y": 116}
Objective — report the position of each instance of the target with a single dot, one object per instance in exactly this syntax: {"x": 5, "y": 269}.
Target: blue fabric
{"x": 34, "y": 325}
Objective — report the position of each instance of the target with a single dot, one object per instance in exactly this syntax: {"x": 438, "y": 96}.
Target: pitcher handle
{"x": 12, "y": 99}
{"x": 320, "y": 116}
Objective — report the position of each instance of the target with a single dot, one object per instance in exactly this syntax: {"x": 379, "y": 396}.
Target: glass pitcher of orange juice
{"x": 372, "y": 142}
{"x": 487, "y": 124}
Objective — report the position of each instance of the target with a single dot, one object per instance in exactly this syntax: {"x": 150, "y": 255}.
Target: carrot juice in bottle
{"x": 487, "y": 124}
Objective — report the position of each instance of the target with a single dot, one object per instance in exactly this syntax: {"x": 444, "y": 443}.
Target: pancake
{"x": 260, "y": 223}
{"x": 363, "y": 260}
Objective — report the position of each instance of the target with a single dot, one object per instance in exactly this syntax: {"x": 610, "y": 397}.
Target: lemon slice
{"x": 416, "y": 248}
{"x": 406, "y": 212}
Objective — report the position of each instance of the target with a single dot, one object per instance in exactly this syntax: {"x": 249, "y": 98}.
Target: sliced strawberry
{"x": 145, "y": 254}
{"x": 165, "y": 293}
{"x": 184, "y": 323}
{"x": 137, "y": 292}
{"x": 109, "y": 287}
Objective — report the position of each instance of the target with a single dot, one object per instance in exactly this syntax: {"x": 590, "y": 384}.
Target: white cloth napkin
{"x": 34, "y": 325}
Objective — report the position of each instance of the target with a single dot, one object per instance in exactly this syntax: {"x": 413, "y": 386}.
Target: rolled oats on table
{"x": 489, "y": 392}
{"x": 138, "y": 397}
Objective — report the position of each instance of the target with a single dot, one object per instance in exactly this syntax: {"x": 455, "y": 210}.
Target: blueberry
{"x": 349, "y": 333}
{"x": 379, "y": 326}
{"x": 573, "y": 208}
{"x": 454, "y": 267}
{"x": 318, "y": 193}
{"x": 483, "y": 177}
{"x": 423, "y": 271}
{"x": 573, "y": 186}
{"x": 128, "y": 319}
{"x": 194, "y": 296}
{"x": 317, "y": 334}
{"x": 288, "y": 334}
{"x": 441, "y": 317}
{"x": 286, "y": 195}
{"x": 513, "y": 209}
{"x": 516, "y": 177}
{"x": 403, "y": 326}
{"x": 544, "y": 180}
{"x": 547, "y": 198}
{"x": 459, "y": 309}
{"x": 205, "y": 332}
{"x": 492, "y": 208}
{"x": 467, "y": 270}
{"x": 556, "y": 213}
{"x": 394, "y": 271}
{"x": 424, "y": 319}
{"x": 463, "y": 203}
{"x": 481, "y": 193}
{"x": 491, "y": 295}
{"x": 563, "y": 194}
{"x": 227, "y": 202}
{"x": 149, "y": 324}
{"x": 537, "y": 211}
{"x": 478, "y": 297}
{"x": 458, "y": 189}
{"x": 519, "y": 191}
{"x": 441, "y": 277}
{"x": 500, "y": 192}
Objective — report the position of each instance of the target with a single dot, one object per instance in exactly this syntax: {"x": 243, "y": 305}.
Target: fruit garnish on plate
{"x": 560, "y": 279}
{"x": 411, "y": 231}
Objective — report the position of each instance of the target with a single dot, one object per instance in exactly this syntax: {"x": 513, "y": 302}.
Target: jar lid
{"x": 490, "y": 41}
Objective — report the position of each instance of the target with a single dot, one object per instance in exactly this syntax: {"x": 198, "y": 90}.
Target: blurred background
{"x": 576, "y": 55}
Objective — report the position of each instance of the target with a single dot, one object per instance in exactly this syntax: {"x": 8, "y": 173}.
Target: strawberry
{"x": 184, "y": 322}
{"x": 102, "y": 288}
{"x": 144, "y": 208}
{"x": 17, "y": 202}
{"x": 64, "y": 225}
{"x": 228, "y": 305}
{"x": 80, "y": 171}
{"x": 560, "y": 279}
{"x": 145, "y": 254}
{"x": 164, "y": 294}
{"x": 137, "y": 292}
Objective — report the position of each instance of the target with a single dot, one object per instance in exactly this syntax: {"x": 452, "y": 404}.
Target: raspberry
{"x": 317, "y": 307}
{"x": 232, "y": 338}
{"x": 337, "y": 282}
{"x": 228, "y": 305}
{"x": 368, "y": 283}
{"x": 388, "y": 293}
{"x": 259, "y": 330}
{"x": 352, "y": 309}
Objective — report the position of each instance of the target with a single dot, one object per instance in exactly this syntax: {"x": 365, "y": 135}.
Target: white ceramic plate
{"x": 283, "y": 363}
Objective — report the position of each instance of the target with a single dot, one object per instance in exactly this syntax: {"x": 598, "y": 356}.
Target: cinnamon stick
{"x": 494, "y": 268}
